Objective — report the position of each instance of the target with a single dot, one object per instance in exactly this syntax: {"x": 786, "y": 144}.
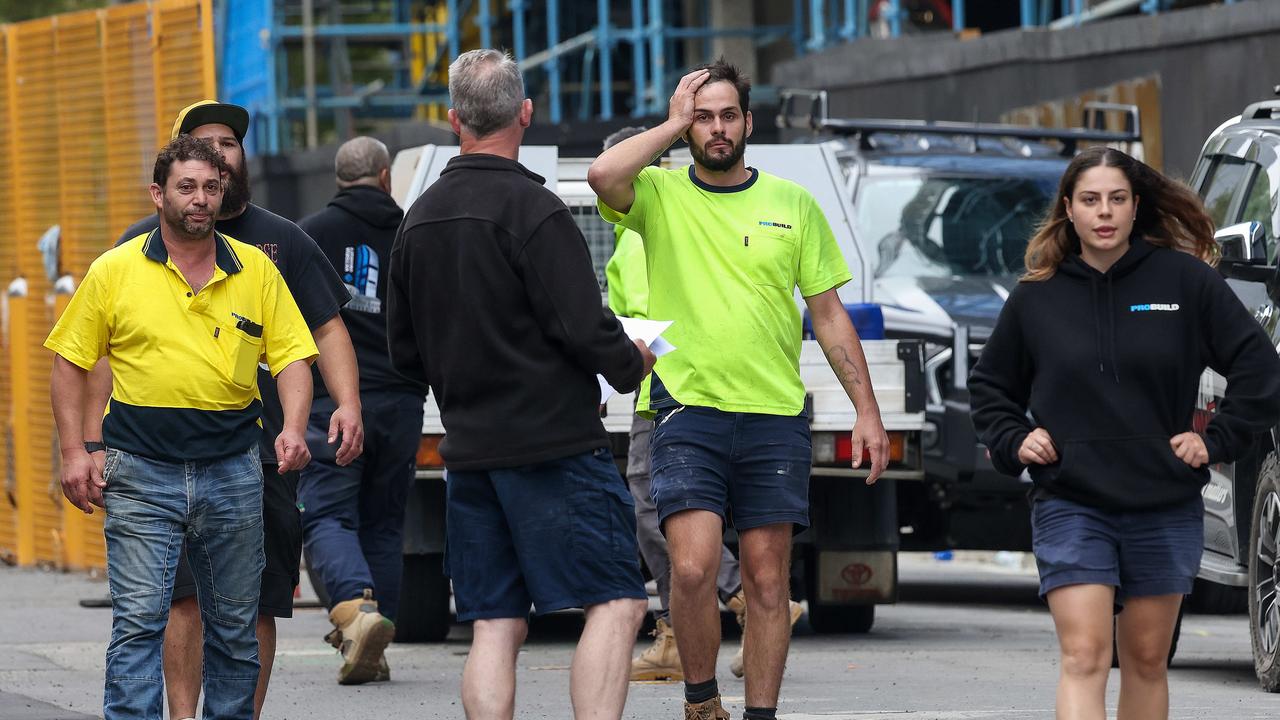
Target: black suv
{"x": 1238, "y": 176}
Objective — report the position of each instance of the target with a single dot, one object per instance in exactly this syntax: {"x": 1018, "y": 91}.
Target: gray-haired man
{"x": 353, "y": 515}
{"x": 494, "y": 303}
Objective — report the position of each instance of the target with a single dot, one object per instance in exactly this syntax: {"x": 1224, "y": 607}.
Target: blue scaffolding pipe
{"x": 484, "y": 19}
{"x": 657, "y": 54}
{"x": 757, "y": 31}
{"x": 817, "y": 25}
{"x": 957, "y": 15}
{"x": 452, "y": 33}
{"x": 637, "y": 57}
{"x": 1028, "y": 12}
{"x": 365, "y": 31}
{"x": 553, "y": 62}
{"x": 849, "y": 29}
{"x": 895, "y": 18}
{"x": 606, "y": 61}
{"x": 517, "y": 26}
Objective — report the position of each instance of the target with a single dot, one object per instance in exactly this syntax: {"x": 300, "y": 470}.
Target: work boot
{"x": 334, "y": 638}
{"x": 706, "y": 710}
{"x": 738, "y": 604}
{"x": 363, "y": 633}
{"x": 661, "y": 660}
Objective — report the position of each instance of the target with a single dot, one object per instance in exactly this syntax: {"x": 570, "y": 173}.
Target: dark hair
{"x": 724, "y": 71}
{"x": 182, "y": 149}
{"x": 1169, "y": 214}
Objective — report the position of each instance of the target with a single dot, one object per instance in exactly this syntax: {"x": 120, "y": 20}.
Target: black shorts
{"x": 281, "y": 543}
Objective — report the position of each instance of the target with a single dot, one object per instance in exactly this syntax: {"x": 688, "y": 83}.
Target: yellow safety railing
{"x": 86, "y": 99}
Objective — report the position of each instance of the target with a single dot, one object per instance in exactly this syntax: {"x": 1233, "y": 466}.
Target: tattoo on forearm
{"x": 843, "y": 366}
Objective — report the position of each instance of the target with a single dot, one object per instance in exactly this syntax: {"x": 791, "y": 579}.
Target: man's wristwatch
{"x": 93, "y": 446}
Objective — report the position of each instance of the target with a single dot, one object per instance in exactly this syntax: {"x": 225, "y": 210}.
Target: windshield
{"x": 939, "y": 225}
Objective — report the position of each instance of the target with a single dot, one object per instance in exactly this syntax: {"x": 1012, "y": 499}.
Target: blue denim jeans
{"x": 353, "y": 516}
{"x": 151, "y": 506}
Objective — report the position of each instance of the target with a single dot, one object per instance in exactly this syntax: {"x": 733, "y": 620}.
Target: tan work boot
{"x": 661, "y": 660}
{"x": 363, "y": 633}
{"x": 334, "y": 638}
{"x": 738, "y": 604}
{"x": 706, "y": 710}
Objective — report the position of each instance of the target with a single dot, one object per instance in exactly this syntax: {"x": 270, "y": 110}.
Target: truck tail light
{"x": 429, "y": 452}
{"x": 837, "y": 448}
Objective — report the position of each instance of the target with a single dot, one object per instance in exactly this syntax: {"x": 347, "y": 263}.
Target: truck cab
{"x": 846, "y": 561}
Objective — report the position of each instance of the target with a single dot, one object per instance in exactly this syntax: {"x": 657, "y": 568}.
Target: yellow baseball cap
{"x": 206, "y": 112}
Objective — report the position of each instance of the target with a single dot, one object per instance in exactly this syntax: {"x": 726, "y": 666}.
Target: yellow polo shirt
{"x": 183, "y": 364}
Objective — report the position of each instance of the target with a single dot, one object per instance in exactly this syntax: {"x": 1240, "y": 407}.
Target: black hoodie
{"x": 355, "y": 232}
{"x": 493, "y": 301}
{"x": 1109, "y": 364}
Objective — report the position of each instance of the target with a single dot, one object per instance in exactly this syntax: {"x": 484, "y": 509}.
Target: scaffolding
{"x": 604, "y": 58}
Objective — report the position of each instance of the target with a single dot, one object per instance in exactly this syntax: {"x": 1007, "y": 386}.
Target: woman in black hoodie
{"x": 1089, "y": 381}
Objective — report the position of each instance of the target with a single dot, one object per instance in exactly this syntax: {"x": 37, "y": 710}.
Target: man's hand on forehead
{"x": 681, "y": 106}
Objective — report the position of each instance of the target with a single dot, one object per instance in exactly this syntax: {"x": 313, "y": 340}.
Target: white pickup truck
{"x": 846, "y": 562}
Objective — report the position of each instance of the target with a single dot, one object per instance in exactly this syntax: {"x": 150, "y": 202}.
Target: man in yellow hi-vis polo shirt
{"x": 184, "y": 315}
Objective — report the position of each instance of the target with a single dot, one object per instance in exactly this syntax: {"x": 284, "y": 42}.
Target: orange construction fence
{"x": 86, "y": 99}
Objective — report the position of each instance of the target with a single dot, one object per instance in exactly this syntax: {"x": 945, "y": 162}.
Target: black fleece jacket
{"x": 493, "y": 302}
{"x": 1109, "y": 364}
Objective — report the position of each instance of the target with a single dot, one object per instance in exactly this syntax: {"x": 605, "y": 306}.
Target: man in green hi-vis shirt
{"x": 726, "y": 248}
{"x": 628, "y": 285}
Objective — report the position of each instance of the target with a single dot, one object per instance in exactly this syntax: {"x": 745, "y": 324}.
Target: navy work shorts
{"x": 750, "y": 469}
{"x": 555, "y": 535}
{"x": 1139, "y": 553}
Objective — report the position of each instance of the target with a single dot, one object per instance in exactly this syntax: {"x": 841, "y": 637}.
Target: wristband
{"x": 93, "y": 446}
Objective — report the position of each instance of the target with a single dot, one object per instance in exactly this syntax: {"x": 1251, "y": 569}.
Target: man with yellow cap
{"x": 320, "y": 294}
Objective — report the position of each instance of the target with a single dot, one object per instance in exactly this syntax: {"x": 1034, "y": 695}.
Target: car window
{"x": 1257, "y": 206}
{"x": 1228, "y": 175}
{"x": 939, "y": 225}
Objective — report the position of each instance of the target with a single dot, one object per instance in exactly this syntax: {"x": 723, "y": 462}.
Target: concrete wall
{"x": 1211, "y": 61}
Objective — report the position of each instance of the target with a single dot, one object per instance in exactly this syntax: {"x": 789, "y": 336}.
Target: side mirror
{"x": 1244, "y": 251}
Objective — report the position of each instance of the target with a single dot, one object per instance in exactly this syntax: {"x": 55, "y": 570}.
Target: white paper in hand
{"x": 650, "y": 331}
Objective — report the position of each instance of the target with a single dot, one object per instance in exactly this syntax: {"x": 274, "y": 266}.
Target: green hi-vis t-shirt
{"x": 724, "y": 263}
{"x": 626, "y": 275}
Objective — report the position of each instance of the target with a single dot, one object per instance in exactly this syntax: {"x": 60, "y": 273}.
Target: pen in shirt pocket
{"x": 249, "y": 327}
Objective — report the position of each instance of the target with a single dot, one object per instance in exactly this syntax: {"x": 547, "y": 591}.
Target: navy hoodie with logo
{"x": 1109, "y": 365}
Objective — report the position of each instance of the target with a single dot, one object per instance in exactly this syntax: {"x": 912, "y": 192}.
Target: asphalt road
{"x": 967, "y": 640}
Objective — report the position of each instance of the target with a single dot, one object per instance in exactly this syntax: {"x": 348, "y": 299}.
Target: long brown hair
{"x": 1169, "y": 215}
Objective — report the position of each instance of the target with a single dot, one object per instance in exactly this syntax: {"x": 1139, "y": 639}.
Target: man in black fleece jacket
{"x": 494, "y": 303}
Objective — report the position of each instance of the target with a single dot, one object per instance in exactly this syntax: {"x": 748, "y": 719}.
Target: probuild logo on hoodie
{"x": 1155, "y": 307}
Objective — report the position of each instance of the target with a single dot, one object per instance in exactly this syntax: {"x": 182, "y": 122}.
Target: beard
{"x": 720, "y": 162}
{"x": 184, "y": 227}
{"x": 236, "y": 195}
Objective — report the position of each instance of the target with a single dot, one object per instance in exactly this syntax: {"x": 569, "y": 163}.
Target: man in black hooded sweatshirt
{"x": 353, "y": 515}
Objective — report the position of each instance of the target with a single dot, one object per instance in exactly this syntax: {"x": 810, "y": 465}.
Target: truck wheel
{"x": 424, "y": 600}
{"x": 836, "y": 619}
{"x": 1173, "y": 644}
{"x": 1264, "y": 576}
{"x": 1208, "y": 598}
